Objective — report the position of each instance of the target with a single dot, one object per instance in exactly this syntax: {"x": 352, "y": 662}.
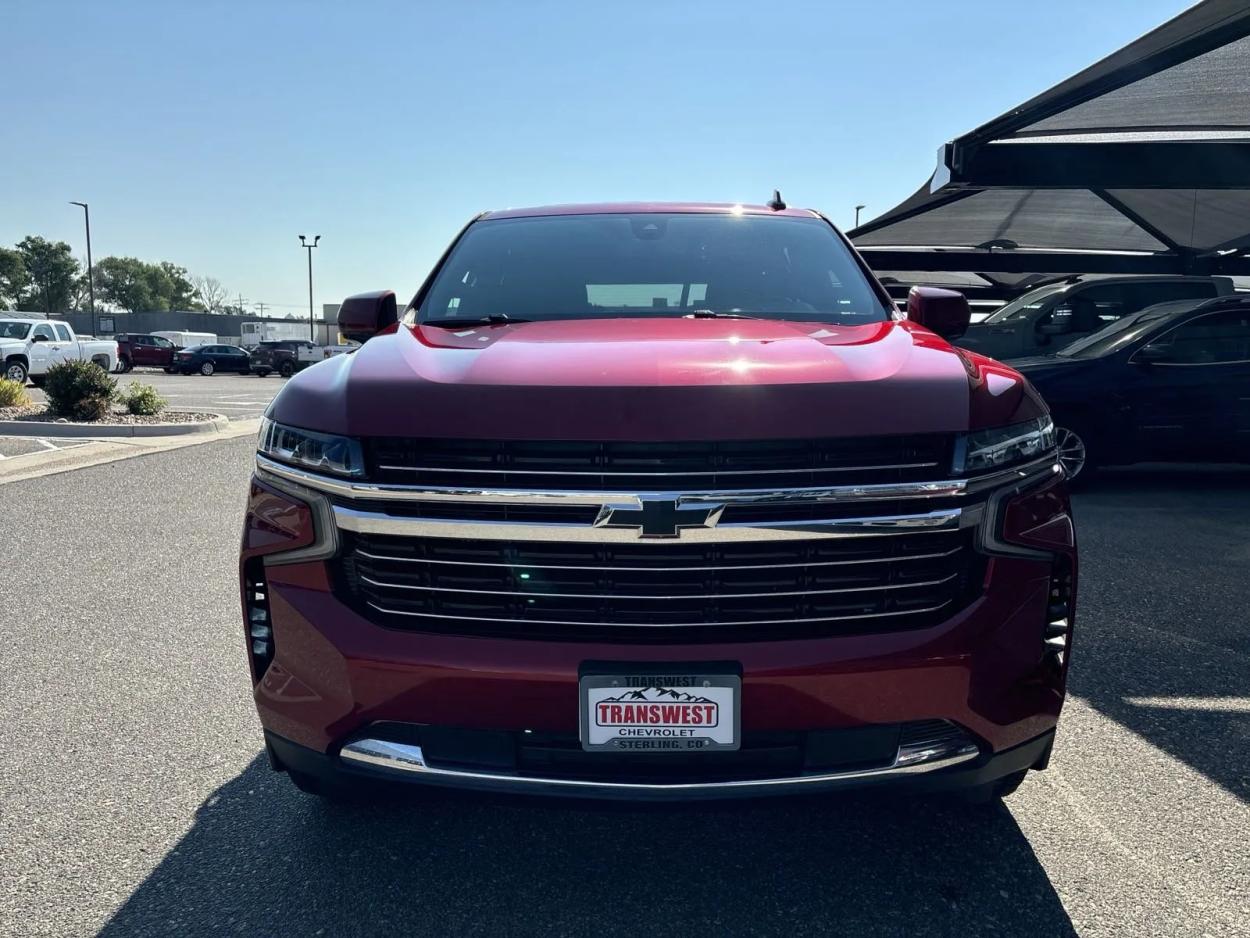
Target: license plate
{"x": 644, "y": 711}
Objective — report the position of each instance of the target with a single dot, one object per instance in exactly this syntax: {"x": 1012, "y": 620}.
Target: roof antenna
{"x": 776, "y": 204}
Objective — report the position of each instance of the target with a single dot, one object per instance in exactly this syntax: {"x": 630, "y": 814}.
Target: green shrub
{"x": 13, "y": 393}
{"x": 142, "y": 400}
{"x": 79, "y": 390}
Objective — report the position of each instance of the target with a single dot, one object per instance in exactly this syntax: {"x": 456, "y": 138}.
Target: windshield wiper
{"x": 715, "y": 314}
{"x": 494, "y": 319}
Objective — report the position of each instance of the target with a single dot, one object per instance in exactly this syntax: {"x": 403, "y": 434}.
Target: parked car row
{"x": 1054, "y": 315}
{"x": 282, "y": 357}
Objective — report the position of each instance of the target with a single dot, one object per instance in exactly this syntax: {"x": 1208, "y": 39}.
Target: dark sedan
{"x": 1169, "y": 383}
{"x": 208, "y": 359}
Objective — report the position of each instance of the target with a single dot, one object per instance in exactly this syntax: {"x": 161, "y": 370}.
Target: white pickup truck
{"x": 29, "y": 347}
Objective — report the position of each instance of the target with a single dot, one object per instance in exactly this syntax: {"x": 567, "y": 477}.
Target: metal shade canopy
{"x": 1140, "y": 164}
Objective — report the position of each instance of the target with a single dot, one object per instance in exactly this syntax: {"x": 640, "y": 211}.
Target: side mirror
{"x": 1154, "y": 352}
{"x": 942, "y": 311}
{"x": 366, "y": 314}
{"x": 40, "y": 338}
{"x": 1060, "y": 322}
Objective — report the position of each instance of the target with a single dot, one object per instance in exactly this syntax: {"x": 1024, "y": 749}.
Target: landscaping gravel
{"x": 39, "y": 413}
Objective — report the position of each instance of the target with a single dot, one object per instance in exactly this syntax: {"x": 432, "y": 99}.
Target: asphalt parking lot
{"x": 134, "y": 799}
{"x": 235, "y": 396}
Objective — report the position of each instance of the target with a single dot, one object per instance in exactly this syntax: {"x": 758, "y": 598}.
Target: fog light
{"x": 1057, "y": 633}
{"x": 256, "y": 611}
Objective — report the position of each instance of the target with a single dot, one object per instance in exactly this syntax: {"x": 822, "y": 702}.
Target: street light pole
{"x": 858, "y": 209}
{"x": 86, "y": 214}
{"x": 312, "y": 329}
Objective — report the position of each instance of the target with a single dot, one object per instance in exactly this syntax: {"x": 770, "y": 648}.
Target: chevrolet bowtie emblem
{"x": 659, "y": 517}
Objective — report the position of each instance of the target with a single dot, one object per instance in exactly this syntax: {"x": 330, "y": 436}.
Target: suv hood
{"x": 655, "y": 379}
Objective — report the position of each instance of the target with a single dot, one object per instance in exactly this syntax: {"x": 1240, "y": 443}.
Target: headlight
{"x": 999, "y": 447}
{"x": 338, "y": 454}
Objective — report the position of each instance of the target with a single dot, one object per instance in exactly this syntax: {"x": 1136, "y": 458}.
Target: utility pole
{"x": 260, "y": 309}
{"x": 312, "y": 328}
{"x": 86, "y": 214}
{"x": 240, "y": 306}
{"x": 858, "y": 209}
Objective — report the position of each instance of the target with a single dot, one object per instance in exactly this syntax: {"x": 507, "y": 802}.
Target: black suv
{"x": 1054, "y": 315}
{"x": 1168, "y": 383}
{"x": 281, "y": 356}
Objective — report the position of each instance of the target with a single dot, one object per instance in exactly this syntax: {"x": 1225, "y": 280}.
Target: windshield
{"x": 1120, "y": 333}
{"x": 599, "y": 266}
{"x": 1022, "y": 306}
{"x": 14, "y": 330}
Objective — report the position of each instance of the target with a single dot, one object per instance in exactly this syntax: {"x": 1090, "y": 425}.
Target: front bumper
{"x": 335, "y": 677}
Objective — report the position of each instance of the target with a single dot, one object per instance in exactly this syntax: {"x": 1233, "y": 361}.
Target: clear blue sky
{"x": 212, "y": 134}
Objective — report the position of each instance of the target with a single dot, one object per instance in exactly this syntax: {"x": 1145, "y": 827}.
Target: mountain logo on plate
{"x": 657, "y": 706}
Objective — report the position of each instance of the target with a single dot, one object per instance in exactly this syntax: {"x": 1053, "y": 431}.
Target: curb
{"x": 51, "y": 430}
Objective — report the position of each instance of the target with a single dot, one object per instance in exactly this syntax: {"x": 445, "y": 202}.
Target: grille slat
{"x": 621, "y": 466}
{"x": 735, "y": 624}
{"x": 641, "y": 596}
{"x": 759, "y": 566}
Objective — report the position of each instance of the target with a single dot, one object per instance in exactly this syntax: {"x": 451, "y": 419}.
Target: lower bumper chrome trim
{"x": 406, "y": 759}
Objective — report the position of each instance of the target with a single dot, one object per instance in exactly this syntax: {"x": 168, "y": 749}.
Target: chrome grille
{"x": 751, "y": 590}
{"x": 496, "y": 546}
{"x": 615, "y": 466}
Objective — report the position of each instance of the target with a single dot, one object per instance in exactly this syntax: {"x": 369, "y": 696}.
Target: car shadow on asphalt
{"x": 263, "y": 858}
{"x": 1162, "y": 636}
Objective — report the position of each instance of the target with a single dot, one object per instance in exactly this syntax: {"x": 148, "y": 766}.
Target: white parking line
{"x": 48, "y": 445}
{"x": 1235, "y": 704}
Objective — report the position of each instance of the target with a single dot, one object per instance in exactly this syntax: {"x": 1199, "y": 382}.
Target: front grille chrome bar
{"x": 671, "y": 597}
{"x": 353, "y": 517}
{"x": 376, "y": 522}
{"x": 839, "y": 494}
{"x": 372, "y": 491}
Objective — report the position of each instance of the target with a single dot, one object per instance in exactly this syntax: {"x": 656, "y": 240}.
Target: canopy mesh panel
{"x": 1210, "y": 92}
{"x": 1037, "y": 218}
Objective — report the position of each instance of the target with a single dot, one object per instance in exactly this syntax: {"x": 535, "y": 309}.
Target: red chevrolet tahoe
{"x": 657, "y": 501}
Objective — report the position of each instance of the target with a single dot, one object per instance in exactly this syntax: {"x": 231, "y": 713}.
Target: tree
{"x": 178, "y": 292}
{"x": 52, "y": 269}
{"x": 80, "y": 290}
{"x": 128, "y": 283}
{"x": 210, "y": 293}
{"x": 137, "y": 286}
{"x": 13, "y": 278}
